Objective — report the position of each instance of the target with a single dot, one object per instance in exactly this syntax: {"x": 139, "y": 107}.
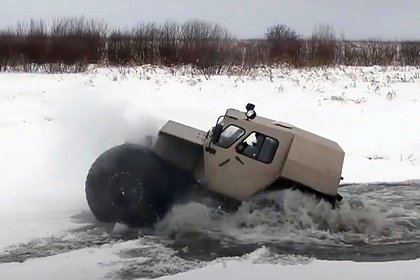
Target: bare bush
{"x": 77, "y": 40}
{"x": 285, "y": 45}
{"x": 204, "y": 44}
{"x": 120, "y": 48}
{"x": 410, "y": 53}
{"x": 322, "y": 45}
{"x": 145, "y": 42}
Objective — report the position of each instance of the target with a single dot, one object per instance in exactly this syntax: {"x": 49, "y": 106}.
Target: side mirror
{"x": 217, "y": 131}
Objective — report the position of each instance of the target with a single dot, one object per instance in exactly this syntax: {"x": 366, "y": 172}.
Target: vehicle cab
{"x": 246, "y": 155}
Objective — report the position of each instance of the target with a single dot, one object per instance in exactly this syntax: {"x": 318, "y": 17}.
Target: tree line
{"x": 71, "y": 44}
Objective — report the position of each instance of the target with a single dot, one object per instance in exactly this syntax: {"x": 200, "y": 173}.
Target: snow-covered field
{"x": 52, "y": 127}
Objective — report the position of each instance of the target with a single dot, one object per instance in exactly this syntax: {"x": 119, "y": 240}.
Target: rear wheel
{"x": 128, "y": 184}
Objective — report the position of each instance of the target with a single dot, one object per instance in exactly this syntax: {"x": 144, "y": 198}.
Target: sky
{"x": 353, "y": 19}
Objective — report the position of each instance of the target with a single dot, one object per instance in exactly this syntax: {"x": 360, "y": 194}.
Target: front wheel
{"x": 128, "y": 184}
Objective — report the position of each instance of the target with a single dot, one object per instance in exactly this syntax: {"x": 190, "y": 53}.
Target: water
{"x": 374, "y": 222}
{"x": 378, "y": 222}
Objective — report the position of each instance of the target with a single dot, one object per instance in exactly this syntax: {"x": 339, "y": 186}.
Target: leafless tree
{"x": 279, "y": 32}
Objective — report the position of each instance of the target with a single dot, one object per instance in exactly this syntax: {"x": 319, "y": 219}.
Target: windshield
{"x": 230, "y": 135}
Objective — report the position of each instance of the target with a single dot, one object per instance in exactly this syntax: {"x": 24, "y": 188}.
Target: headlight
{"x": 250, "y": 113}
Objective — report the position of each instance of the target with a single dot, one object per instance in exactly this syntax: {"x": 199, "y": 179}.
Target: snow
{"x": 52, "y": 127}
{"x": 72, "y": 265}
{"x": 78, "y": 265}
{"x": 314, "y": 270}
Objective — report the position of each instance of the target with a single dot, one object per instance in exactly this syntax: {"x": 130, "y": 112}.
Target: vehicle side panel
{"x": 314, "y": 164}
{"x": 182, "y": 146}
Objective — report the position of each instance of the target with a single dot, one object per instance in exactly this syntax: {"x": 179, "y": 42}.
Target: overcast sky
{"x": 356, "y": 19}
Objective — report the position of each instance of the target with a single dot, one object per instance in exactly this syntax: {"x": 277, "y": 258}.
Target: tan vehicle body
{"x": 298, "y": 157}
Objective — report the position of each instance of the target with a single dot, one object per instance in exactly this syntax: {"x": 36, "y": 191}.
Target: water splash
{"x": 367, "y": 221}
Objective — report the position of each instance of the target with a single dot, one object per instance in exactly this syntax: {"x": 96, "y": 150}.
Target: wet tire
{"x": 128, "y": 184}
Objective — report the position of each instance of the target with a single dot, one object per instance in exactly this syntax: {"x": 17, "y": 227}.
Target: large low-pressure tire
{"x": 128, "y": 184}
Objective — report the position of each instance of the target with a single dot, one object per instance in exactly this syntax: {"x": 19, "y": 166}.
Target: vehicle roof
{"x": 284, "y": 126}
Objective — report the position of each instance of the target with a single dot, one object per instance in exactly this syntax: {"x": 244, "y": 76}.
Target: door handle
{"x": 239, "y": 159}
{"x": 223, "y": 163}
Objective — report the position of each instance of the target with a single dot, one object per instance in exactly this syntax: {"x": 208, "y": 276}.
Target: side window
{"x": 230, "y": 135}
{"x": 259, "y": 147}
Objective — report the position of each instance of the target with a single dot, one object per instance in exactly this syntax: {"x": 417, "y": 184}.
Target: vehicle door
{"x": 241, "y": 162}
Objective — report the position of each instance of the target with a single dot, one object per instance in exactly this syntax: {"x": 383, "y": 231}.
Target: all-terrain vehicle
{"x": 241, "y": 156}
